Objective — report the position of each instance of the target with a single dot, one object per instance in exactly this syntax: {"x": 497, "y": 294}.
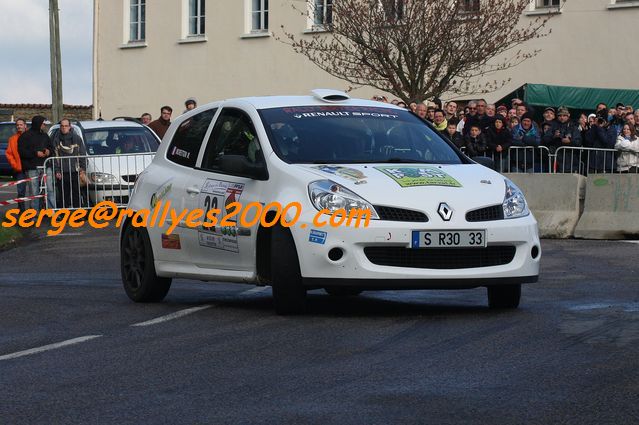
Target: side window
{"x": 233, "y": 134}
{"x": 188, "y": 139}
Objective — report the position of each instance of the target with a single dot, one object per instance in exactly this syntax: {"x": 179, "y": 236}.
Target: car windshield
{"x": 107, "y": 141}
{"x": 354, "y": 134}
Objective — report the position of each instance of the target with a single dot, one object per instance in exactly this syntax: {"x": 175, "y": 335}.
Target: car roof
{"x": 266, "y": 102}
{"x": 92, "y": 125}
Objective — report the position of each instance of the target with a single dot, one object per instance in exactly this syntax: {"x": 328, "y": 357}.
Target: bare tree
{"x": 419, "y": 49}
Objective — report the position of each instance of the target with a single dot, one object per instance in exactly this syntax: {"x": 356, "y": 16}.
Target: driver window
{"x": 233, "y": 134}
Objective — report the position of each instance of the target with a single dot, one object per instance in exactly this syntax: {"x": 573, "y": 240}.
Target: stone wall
{"x": 9, "y": 112}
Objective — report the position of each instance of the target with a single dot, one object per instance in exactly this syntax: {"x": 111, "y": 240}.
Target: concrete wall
{"x": 558, "y": 210}
{"x": 10, "y": 112}
{"x": 611, "y": 209}
{"x": 590, "y": 45}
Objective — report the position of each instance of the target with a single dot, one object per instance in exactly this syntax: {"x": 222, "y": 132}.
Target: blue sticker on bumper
{"x": 415, "y": 239}
{"x": 317, "y": 236}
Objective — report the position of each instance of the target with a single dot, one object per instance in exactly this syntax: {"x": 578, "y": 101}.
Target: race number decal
{"x": 217, "y": 195}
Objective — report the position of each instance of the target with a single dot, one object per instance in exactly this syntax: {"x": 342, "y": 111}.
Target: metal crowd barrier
{"x": 566, "y": 159}
{"x": 74, "y": 182}
{"x": 522, "y": 159}
{"x": 583, "y": 161}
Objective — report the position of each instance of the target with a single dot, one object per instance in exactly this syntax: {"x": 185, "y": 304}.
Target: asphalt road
{"x": 568, "y": 355}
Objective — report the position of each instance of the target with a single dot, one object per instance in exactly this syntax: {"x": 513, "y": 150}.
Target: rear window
{"x": 127, "y": 140}
{"x": 188, "y": 138}
{"x": 354, "y": 134}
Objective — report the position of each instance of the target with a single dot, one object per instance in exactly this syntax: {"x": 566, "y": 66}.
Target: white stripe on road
{"x": 172, "y": 316}
{"x": 256, "y": 290}
{"x": 49, "y": 347}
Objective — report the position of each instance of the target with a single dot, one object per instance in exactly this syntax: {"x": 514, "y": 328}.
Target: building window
{"x": 393, "y": 10}
{"x": 137, "y": 20}
{"x": 471, "y": 5}
{"x": 197, "y": 17}
{"x": 259, "y": 16}
{"x": 323, "y": 13}
{"x": 548, "y": 3}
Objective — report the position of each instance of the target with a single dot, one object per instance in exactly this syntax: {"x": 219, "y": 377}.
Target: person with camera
{"x": 596, "y": 137}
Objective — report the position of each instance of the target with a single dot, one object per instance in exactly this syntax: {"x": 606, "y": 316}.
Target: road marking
{"x": 256, "y": 290}
{"x": 49, "y": 347}
{"x": 65, "y": 234}
{"x": 635, "y": 242}
{"x": 172, "y": 316}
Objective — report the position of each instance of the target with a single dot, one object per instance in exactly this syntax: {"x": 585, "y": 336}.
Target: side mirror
{"x": 241, "y": 166}
{"x": 485, "y": 161}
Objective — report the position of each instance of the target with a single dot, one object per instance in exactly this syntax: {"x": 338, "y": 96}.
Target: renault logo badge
{"x": 445, "y": 212}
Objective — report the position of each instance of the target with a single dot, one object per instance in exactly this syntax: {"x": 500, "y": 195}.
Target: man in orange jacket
{"x": 14, "y": 158}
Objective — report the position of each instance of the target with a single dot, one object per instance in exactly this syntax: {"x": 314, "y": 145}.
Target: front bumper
{"x": 354, "y": 268}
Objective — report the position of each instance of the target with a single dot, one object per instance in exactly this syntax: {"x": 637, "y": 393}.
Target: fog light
{"x": 335, "y": 254}
{"x": 534, "y": 252}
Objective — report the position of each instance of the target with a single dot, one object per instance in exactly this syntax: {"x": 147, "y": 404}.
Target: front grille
{"x": 495, "y": 212}
{"x": 440, "y": 258}
{"x": 399, "y": 214}
{"x": 130, "y": 178}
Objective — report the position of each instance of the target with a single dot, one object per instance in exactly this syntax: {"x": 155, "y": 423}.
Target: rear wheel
{"x": 140, "y": 281}
{"x": 504, "y": 296}
{"x": 339, "y": 291}
{"x": 289, "y": 295}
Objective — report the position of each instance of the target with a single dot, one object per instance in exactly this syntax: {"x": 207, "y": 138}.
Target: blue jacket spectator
{"x": 526, "y": 138}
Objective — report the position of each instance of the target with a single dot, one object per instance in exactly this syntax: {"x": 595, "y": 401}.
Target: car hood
{"x": 120, "y": 165}
{"x": 416, "y": 186}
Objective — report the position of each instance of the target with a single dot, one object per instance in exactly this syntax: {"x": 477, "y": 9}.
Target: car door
{"x": 171, "y": 182}
{"x": 213, "y": 186}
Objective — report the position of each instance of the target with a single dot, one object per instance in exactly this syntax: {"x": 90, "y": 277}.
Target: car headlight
{"x": 329, "y": 195}
{"x": 103, "y": 178}
{"x": 514, "y": 204}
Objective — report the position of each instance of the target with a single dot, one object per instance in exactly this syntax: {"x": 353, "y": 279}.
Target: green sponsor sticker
{"x": 600, "y": 182}
{"x": 419, "y": 175}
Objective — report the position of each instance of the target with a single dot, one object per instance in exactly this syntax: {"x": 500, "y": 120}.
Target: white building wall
{"x": 591, "y": 45}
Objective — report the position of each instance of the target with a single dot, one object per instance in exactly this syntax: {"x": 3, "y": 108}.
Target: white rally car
{"x": 438, "y": 219}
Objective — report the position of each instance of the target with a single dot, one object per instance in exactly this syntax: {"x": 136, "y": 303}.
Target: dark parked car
{"x": 6, "y": 130}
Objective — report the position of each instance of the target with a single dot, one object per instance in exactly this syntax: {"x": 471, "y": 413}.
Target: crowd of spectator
{"x": 483, "y": 129}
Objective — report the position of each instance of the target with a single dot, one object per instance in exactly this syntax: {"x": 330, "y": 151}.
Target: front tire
{"x": 504, "y": 296}
{"x": 289, "y": 294}
{"x": 140, "y": 281}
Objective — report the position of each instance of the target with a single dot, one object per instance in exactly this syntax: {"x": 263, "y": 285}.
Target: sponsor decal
{"x": 317, "y": 236}
{"x": 409, "y": 176}
{"x": 344, "y": 172}
{"x": 171, "y": 241}
{"x": 160, "y": 194}
{"x": 180, "y": 152}
{"x": 485, "y": 182}
{"x": 301, "y": 112}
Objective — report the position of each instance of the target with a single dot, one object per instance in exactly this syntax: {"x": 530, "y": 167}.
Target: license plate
{"x": 448, "y": 239}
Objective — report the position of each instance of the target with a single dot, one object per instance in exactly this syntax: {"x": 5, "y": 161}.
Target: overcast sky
{"x": 25, "y": 75}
